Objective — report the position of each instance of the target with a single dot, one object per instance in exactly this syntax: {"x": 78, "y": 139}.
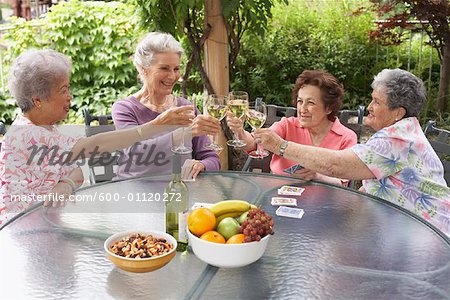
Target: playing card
{"x": 201, "y": 204}
{"x": 289, "y": 212}
{"x": 292, "y": 169}
{"x": 284, "y": 201}
{"x": 290, "y": 190}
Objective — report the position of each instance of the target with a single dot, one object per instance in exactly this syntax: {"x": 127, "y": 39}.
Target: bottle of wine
{"x": 177, "y": 205}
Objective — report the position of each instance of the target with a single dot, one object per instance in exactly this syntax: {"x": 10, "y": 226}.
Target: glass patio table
{"x": 348, "y": 245}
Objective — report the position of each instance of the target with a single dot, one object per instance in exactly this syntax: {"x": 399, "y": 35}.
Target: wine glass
{"x": 256, "y": 118}
{"x": 181, "y": 148}
{"x": 238, "y": 105}
{"x": 216, "y": 108}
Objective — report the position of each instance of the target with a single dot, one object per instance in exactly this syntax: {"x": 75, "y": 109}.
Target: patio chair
{"x": 2, "y": 128}
{"x": 275, "y": 113}
{"x": 2, "y": 132}
{"x": 346, "y": 115}
{"x": 440, "y": 142}
{"x": 99, "y": 171}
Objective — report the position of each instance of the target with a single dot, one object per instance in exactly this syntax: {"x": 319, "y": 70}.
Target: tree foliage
{"x": 310, "y": 36}
{"x": 433, "y": 17}
{"x": 98, "y": 37}
{"x": 185, "y": 20}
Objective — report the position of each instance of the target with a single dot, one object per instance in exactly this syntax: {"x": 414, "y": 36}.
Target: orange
{"x": 201, "y": 220}
{"x": 213, "y": 236}
{"x": 236, "y": 239}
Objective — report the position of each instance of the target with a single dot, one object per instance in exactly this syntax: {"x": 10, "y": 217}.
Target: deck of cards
{"x": 276, "y": 201}
{"x": 290, "y": 190}
{"x": 289, "y": 212}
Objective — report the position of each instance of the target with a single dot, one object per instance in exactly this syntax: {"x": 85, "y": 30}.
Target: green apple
{"x": 243, "y": 217}
{"x": 228, "y": 227}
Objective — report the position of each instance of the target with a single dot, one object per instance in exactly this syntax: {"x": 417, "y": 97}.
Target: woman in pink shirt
{"x": 318, "y": 97}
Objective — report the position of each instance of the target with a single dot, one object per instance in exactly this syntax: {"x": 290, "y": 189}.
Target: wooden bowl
{"x": 144, "y": 264}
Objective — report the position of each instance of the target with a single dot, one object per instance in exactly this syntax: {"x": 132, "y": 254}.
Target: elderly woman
{"x": 36, "y": 160}
{"x": 397, "y": 164}
{"x": 157, "y": 59}
{"x": 318, "y": 96}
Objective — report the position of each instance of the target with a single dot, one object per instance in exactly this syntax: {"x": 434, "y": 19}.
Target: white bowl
{"x": 228, "y": 255}
{"x": 143, "y": 264}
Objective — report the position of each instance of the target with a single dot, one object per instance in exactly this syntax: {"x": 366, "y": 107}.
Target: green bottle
{"x": 177, "y": 205}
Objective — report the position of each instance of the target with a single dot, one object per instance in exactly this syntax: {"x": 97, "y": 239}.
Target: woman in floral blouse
{"x": 397, "y": 163}
{"x": 37, "y": 162}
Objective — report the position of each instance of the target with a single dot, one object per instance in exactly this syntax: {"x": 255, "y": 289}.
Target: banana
{"x": 230, "y": 206}
{"x": 253, "y": 206}
{"x": 234, "y": 214}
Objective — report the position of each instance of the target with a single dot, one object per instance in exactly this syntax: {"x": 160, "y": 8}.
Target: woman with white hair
{"x": 37, "y": 162}
{"x": 397, "y": 163}
{"x": 157, "y": 59}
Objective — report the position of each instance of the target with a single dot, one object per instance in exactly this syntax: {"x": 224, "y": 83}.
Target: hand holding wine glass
{"x": 181, "y": 148}
{"x": 256, "y": 118}
{"x": 238, "y": 105}
{"x": 216, "y": 108}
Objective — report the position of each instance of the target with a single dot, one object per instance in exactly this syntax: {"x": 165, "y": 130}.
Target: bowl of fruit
{"x": 140, "y": 252}
{"x": 230, "y": 234}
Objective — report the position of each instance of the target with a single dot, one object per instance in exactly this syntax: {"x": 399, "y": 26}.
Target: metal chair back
{"x": 2, "y": 133}
{"x": 346, "y": 116}
{"x": 101, "y": 169}
{"x": 439, "y": 140}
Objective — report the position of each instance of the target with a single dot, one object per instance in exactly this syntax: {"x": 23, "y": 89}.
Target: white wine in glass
{"x": 216, "y": 108}
{"x": 256, "y": 118}
{"x": 238, "y": 105}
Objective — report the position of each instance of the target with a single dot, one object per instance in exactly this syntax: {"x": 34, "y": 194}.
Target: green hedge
{"x": 99, "y": 38}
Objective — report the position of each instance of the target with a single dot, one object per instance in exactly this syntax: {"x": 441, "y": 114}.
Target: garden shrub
{"x": 99, "y": 38}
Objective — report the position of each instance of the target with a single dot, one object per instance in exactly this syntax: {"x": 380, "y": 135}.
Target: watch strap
{"x": 283, "y": 148}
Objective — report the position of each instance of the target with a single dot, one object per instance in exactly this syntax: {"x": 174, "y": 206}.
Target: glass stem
{"x": 182, "y": 138}
{"x": 216, "y": 140}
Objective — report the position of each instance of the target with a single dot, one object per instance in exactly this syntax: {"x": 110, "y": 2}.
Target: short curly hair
{"x": 403, "y": 89}
{"x": 34, "y": 73}
{"x": 331, "y": 89}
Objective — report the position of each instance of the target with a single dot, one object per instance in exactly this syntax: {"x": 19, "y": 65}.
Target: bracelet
{"x": 70, "y": 182}
{"x": 139, "y": 131}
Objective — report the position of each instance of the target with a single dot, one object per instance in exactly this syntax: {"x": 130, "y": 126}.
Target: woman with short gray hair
{"x": 152, "y": 43}
{"x": 157, "y": 59}
{"x": 34, "y": 75}
{"x": 397, "y": 163}
{"x": 39, "y": 81}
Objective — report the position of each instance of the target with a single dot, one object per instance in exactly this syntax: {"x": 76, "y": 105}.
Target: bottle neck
{"x": 176, "y": 167}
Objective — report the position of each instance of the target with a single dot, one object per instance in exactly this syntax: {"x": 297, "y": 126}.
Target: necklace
{"x": 169, "y": 102}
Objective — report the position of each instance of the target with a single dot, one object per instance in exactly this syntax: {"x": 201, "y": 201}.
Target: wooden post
{"x": 216, "y": 60}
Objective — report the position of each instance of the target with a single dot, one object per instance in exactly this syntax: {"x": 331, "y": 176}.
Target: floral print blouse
{"x": 24, "y": 176}
{"x": 408, "y": 172}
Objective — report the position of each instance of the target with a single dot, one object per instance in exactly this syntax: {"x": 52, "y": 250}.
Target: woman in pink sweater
{"x": 318, "y": 97}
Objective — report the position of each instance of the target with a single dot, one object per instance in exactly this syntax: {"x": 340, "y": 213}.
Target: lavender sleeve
{"x": 137, "y": 159}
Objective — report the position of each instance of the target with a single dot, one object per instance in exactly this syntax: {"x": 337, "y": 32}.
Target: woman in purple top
{"x": 157, "y": 59}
